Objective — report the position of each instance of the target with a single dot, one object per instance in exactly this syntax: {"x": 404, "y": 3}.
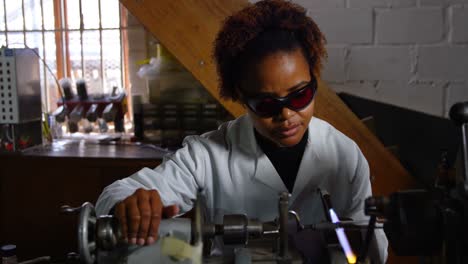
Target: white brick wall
{"x": 443, "y": 63}
{"x": 379, "y": 63}
{"x": 410, "y": 53}
{"x": 456, "y": 92}
{"x": 322, "y": 3}
{"x": 334, "y": 68}
{"x": 441, "y": 2}
{"x": 354, "y": 26}
{"x": 459, "y": 25}
{"x": 409, "y": 25}
{"x": 382, "y": 3}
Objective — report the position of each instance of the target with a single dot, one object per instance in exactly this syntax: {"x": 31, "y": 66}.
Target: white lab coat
{"x": 237, "y": 177}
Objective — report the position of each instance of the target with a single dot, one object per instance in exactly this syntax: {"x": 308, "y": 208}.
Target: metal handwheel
{"x": 87, "y": 233}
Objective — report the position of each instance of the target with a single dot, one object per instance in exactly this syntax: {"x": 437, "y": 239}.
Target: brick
{"x": 379, "y": 63}
{"x": 312, "y": 4}
{"x": 422, "y": 97}
{"x": 426, "y": 97}
{"x": 345, "y": 26}
{"x": 382, "y": 3}
{"x": 441, "y": 2}
{"x": 400, "y": 26}
{"x": 459, "y": 25}
{"x": 362, "y": 89}
{"x": 334, "y": 69}
{"x": 316, "y": 3}
{"x": 443, "y": 63}
{"x": 393, "y": 92}
{"x": 456, "y": 92}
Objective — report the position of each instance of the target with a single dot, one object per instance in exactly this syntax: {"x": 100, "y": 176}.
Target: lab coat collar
{"x": 265, "y": 172}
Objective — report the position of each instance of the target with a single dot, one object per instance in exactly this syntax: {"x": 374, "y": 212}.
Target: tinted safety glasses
{"x": 269, "y": 106}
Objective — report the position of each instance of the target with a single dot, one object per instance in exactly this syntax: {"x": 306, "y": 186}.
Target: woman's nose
{"x": 285, "y": 114}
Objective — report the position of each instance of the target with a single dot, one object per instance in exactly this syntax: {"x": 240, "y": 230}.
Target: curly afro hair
{"x": 259, "y": 30}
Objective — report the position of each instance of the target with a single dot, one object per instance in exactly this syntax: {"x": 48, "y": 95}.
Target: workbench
{"x": 34, "y": 185}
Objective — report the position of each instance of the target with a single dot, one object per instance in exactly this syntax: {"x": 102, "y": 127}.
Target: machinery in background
{"x": 430, "y": 222}
{"x": 20, "y": 99}
{"x": 85, "y": 110}
{"x": 168, "y": 123}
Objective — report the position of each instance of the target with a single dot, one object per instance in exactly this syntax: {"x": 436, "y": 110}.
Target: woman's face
{"x": 278, "y": 75}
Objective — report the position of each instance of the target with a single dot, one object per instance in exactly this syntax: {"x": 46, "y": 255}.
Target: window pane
{"x": 15, "y": 40}
{"x": 51, "y": 61}
{"x": 2, "y": 16}
{"x": 2, "y": 39}
{"x": 14, "y": 15}
{"x": 32, "y": 12}
{"x": 49, "y": 18}
{"x": 92, "y": 61}
{"x": 110, "y": 13}
{"x": 111, "y": 57}
{"x": 34, "y": 40}
{"x": 91, "y": 14}
{"x": 73, "y": 14}
{"x": 75, "y": 54}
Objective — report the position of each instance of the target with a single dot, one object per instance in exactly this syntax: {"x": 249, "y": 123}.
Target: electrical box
{"x": 20, "y": 87}
{"x": 20, "y": 99}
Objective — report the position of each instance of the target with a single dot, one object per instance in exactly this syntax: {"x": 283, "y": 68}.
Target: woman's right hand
{"x": 140, "y": 215}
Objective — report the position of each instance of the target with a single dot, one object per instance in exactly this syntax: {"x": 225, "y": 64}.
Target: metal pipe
{"x": 122, "y": 55}
{"x": 464, "y": 128}
{"x": 81, "y": 40}
{"x": 6, "y": 22}
{"x": 283, "y": 207}
{"x": 24, "y": 22}
{"x": 44, "y": 71}
{"x": 101, "y": 53}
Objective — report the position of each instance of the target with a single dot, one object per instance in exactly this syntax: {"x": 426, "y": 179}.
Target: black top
{"x": 286, "y": 160}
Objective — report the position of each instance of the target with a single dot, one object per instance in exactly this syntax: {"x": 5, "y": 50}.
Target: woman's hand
{"x": 140, "y": 215}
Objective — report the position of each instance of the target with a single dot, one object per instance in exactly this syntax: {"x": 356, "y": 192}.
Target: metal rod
{"x": 369, "y": 235}
{"x": 44, "y": 71}
{"x": 101, "y": 53}
{"x": 122, "y": 80}
{"x": 24, "y": 22}
{"x": 326, "y": 203}
{"x": 6, "y": 22}
{"x": 464, "y": 128}
{"x": 81, "y": 39}
{"x": 283, "y": 208}
{"x": 63, "y": 41}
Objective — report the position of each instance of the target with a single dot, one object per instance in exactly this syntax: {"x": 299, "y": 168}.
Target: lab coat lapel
{"x": 308, "y": 178}
{"x": 265, "y": 172}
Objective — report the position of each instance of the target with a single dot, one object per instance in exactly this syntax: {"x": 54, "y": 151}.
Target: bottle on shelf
{"x": 8, "y": 253}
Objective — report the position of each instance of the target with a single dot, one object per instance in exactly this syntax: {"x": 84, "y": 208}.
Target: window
{"x": 75, "y": 38}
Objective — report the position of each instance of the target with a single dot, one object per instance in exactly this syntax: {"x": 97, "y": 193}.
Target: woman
{"x": 269, "y": 56}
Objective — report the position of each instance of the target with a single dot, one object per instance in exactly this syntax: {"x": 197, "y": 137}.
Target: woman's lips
{"x": 288, "y": 131}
